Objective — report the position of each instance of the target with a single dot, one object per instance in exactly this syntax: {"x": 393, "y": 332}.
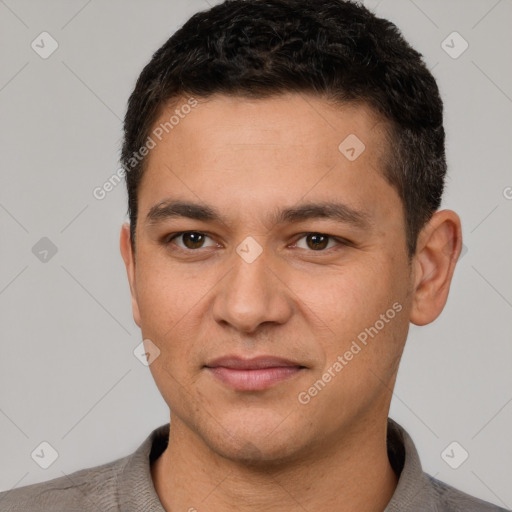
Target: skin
{"x": 264, "y": 450}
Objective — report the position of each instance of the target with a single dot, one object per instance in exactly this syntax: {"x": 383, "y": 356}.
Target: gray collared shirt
{"x": 125, "y": 485}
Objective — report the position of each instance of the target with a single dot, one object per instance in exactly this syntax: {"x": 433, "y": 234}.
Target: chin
{"x": 256, "y": 438}
{"x": 257, "y": 453}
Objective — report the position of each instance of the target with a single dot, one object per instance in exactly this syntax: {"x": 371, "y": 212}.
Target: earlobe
{"x": 439, "y": 246}
{"x": 129, "y": 261}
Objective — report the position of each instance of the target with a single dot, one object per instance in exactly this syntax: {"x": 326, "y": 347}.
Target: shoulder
{"x": 450, "y": 499}
{"x": 418, "y": 491}
{"x": 88, "y": 489}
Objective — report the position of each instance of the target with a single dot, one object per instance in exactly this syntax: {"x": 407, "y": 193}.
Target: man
{"x": 285, "y": 165}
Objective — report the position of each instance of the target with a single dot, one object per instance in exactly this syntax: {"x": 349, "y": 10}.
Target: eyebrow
{"x": 339, "y": 212}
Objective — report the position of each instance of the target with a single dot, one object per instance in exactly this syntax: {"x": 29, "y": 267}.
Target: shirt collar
{"x": 412, "y": 491}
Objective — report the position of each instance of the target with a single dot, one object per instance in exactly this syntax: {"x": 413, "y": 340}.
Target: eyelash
{"x": 341, "y": 242}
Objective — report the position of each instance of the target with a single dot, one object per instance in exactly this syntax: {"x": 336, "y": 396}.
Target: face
{"x": 279, "y": 296}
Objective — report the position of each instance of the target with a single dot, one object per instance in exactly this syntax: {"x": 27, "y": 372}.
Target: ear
{"x": 438, "y": 249}
{"x": 129, "y": 261}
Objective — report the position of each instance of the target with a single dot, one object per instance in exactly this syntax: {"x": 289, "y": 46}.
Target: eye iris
{"x": 317, "y": 240}
{"x": 195, "y": 239}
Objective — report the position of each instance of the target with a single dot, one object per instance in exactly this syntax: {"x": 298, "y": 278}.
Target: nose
{"x": 252, "y": 294}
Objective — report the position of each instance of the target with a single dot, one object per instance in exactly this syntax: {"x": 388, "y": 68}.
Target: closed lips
{"x": 257, "y": 363}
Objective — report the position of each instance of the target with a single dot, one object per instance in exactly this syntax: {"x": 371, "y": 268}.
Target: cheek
{"x": 348, "y": 299}
{"x": 173, "y": 303}
{"x": 166, "y": 294}
{"x": 363, "y": 310}
{"x": 368, "y": 324}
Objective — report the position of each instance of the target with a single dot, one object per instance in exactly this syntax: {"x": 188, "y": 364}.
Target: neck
{"x": 351, "y": 473}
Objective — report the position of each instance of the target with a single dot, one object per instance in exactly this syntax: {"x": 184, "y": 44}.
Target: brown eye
{"x": 193, "y": 240}
{"x": 321, "y": 242}
{"x": 190, "y": 240}
{"x": 317, "y": 241}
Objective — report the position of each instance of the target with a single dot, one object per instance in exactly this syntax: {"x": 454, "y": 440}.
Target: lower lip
{"x": 254, "y": 380}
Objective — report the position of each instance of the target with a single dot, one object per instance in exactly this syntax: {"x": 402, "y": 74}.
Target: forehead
{"x": 282, "y": 148}
{"x": 289, "y": 125}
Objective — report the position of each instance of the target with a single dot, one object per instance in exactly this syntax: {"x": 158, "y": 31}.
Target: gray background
{"x": 68, "y": 375}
